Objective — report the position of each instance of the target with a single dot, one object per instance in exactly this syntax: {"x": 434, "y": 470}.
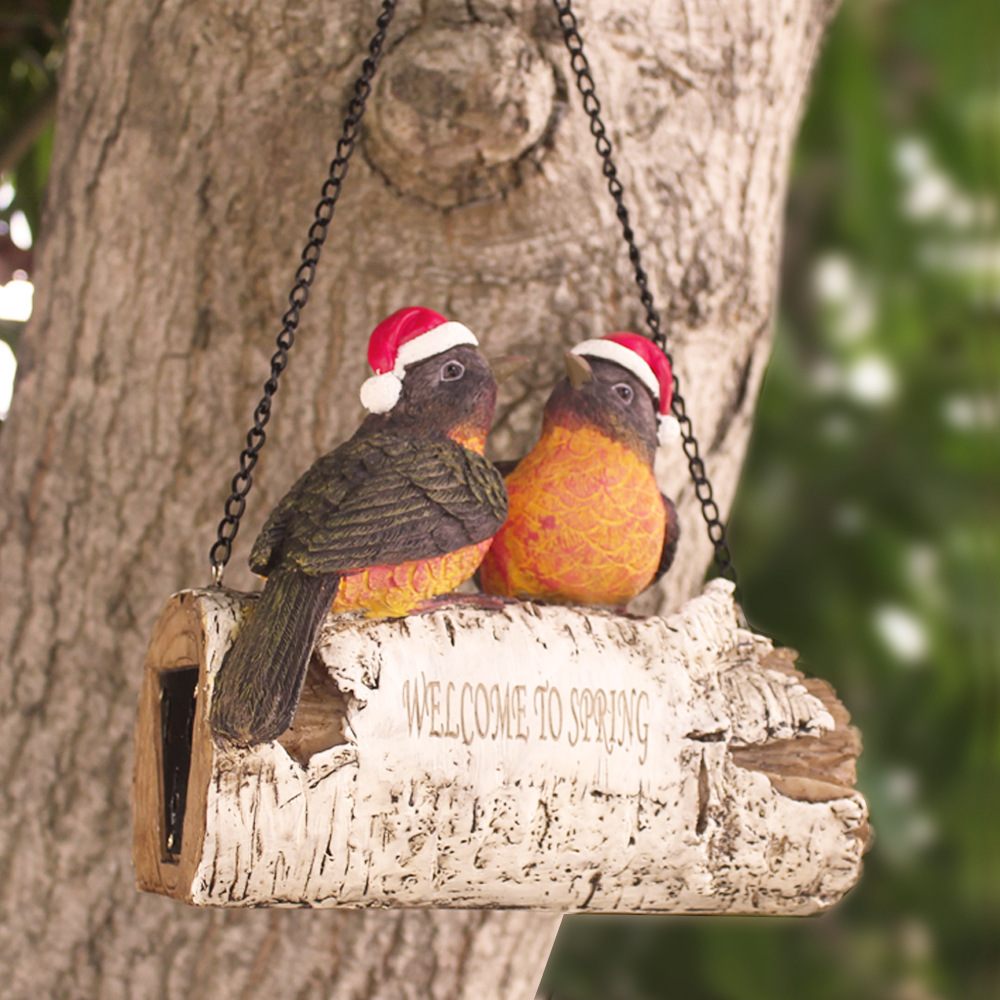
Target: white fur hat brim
{"x": 441, "y": 338}
{"x": 608, "y": 350}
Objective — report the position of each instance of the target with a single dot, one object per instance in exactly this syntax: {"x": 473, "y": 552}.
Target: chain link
{"x": 299, "y": 296}
{"x": 592, "y": 106}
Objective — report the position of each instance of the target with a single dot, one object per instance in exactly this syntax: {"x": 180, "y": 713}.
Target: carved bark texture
{"x": 192, "y": 139}
{"x": 537, "y": 757}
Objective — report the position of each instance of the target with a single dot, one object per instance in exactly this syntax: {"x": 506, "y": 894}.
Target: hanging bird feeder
{"x": 497, "y": 753}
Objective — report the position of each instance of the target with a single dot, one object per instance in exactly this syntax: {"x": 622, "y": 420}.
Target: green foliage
{"x": 31, "y": 49}
{"x": 867, "y": 527}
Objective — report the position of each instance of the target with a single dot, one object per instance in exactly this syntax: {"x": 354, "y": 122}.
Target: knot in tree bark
{"x": 454, "y": 110}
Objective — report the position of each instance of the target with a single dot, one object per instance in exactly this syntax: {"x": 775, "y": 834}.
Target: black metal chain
{"x": 299, "y": 295}
{"x": 592, "y": 106}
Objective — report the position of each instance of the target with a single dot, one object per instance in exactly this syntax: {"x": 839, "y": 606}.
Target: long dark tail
{"x": 260, "y": 681}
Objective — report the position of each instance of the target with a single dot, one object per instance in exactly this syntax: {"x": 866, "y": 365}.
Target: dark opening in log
{"x": 178, "y": 691}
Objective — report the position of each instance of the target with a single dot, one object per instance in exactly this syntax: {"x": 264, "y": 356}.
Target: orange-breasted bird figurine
{"x": 401, "y": 512}
{"x": 587, "y": 522}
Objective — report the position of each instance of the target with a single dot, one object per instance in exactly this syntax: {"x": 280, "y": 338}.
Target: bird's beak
{"x": 579, "y": 371}
{"x": 506, "y": 365}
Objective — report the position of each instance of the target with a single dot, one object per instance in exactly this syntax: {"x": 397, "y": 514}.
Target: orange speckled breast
{"x": 394, "y": 591}
{"x": 586, "y": 523}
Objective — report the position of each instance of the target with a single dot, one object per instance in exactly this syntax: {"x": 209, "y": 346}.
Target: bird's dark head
{"x": 453, "y": 392}
{"x": 607, "y": 397}
{"x": 429, "y": 377}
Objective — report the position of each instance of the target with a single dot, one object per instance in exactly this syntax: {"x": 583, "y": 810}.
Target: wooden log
{"x": 509, "y": 756}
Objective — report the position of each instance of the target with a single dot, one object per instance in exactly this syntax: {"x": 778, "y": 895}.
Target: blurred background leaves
{"x": 31, "y": 50}
{"x": 32, "y": 42}
{"x": 867, "y": 526}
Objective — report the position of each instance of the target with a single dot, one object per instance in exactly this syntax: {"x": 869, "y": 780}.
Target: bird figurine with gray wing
{"x": 400, "y": 513}
{"x": 587, "y": 522}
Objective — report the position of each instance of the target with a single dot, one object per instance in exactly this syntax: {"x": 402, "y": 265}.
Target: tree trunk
{"x": 192, "y": 140}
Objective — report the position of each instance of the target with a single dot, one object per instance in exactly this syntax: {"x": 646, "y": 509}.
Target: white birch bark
{"x": 522, "y": 756}
{"x": 191, "y": 143}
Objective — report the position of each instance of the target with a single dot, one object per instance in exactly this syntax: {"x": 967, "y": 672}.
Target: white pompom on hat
{"x": 410, "y": 335}
{"x": 640, "y": 356}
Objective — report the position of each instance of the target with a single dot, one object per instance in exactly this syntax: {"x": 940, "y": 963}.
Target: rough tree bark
{"x": 192, "y": 139}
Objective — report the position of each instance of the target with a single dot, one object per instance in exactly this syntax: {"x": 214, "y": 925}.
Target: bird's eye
{"x": 452, "y": 371}
{"x": 624, "y": 390}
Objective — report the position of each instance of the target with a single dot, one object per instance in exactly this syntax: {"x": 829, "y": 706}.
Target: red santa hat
{"x": 641, "y": 357}
{"x": 404, "y": 338}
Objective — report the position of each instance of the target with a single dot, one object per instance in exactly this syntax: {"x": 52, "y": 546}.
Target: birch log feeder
{"x": 510, "y": 756}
